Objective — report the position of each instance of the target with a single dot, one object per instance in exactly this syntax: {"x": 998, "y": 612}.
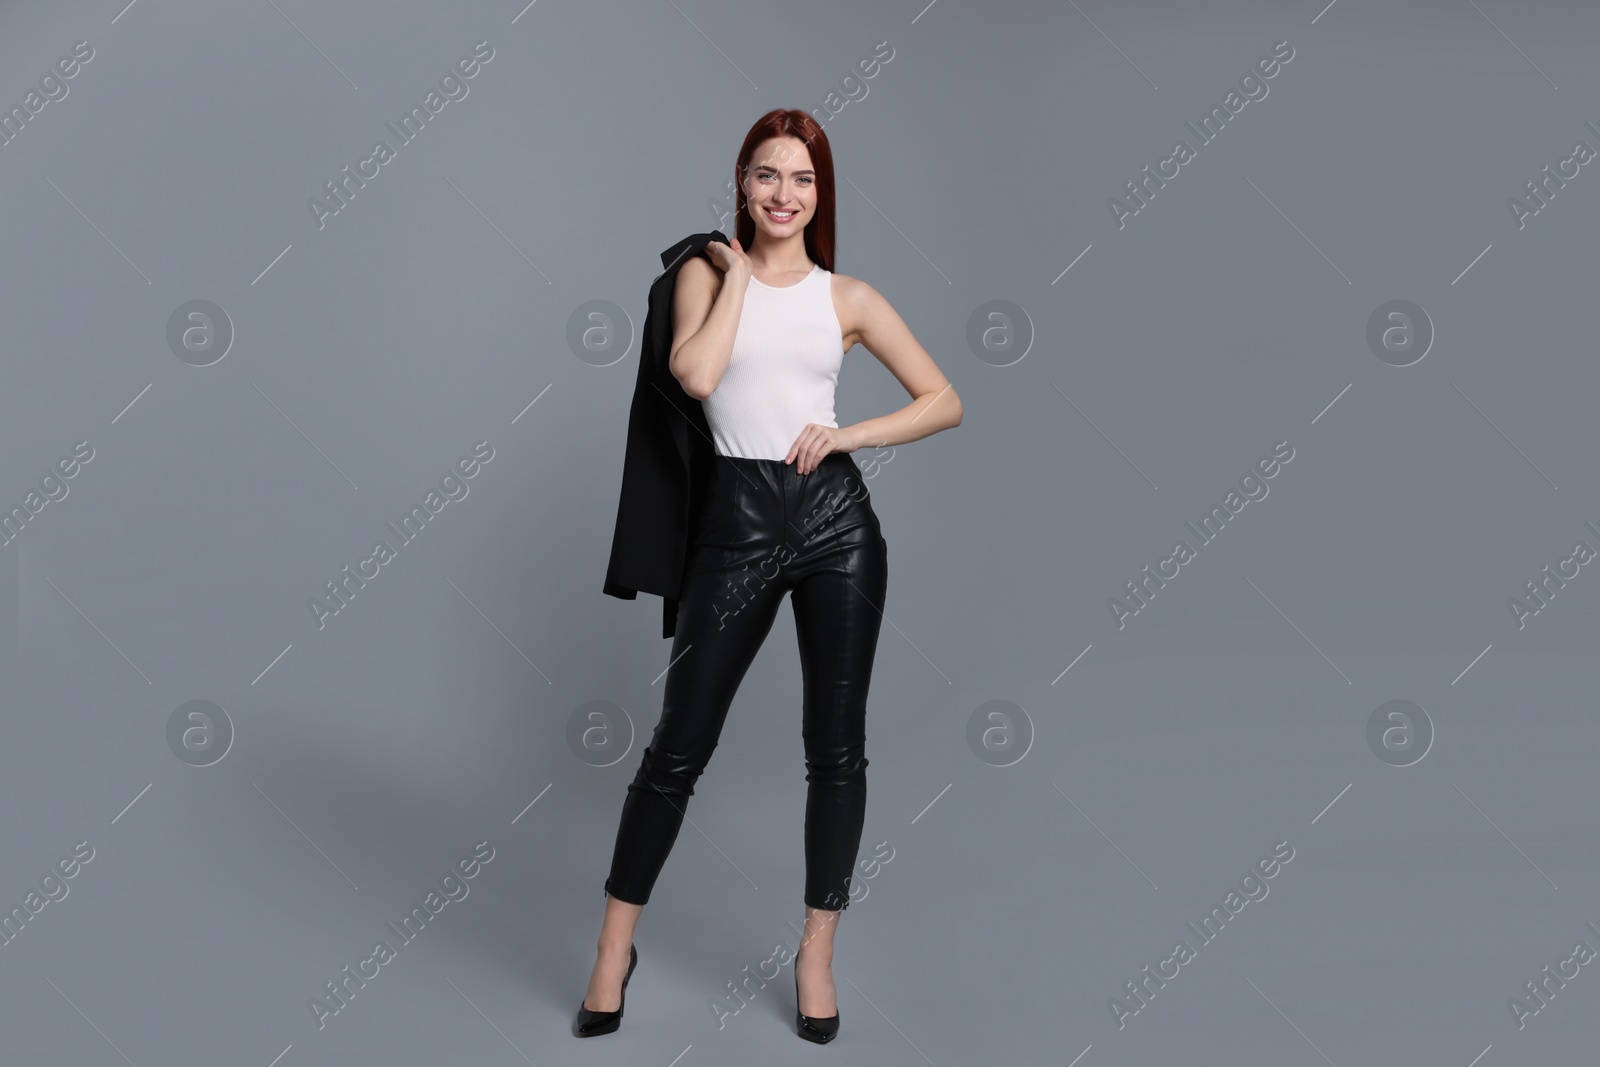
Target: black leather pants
{"x": 760, "y": 530}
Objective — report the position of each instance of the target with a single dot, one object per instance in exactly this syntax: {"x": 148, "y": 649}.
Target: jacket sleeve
{"x": 639, "y": 556}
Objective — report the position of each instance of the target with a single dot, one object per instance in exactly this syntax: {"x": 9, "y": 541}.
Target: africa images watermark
{"x": 340, "y": 591}
{"x": 51, "y": 90}
{"x": 1539, "y": 992}
{"x": 52, "y": 487}
{"x": 1538, "y": 590}
{"x": 52, "y": 889}
{"x": 1254, "y": 890}
{"x": 741, "y": 995}
{"x": 453, "y": 888}
{"x": 1216, "y": 120}
{"x": 1254, "y": 489}
{"x": 730, "y": 601}
{"x": 854, "y": 89}
{"x": 1540, "y": 191}
{"x": 342, "y": 190}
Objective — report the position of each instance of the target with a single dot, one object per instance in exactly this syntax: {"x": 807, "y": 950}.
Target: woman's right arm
{"x": 706, "y": 305}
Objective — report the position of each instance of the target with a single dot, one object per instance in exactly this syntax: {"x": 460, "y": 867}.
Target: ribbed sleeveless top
{"x": 782, "y": 371}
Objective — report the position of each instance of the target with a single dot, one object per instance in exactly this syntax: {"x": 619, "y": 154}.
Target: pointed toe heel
{"x": 812, "y": 1027}
{"x": 593, "y": 1023}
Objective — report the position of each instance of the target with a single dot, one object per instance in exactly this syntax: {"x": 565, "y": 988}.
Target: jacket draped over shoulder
{"x": 669, "y": 446}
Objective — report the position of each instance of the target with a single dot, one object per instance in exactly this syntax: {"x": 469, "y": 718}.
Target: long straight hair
{"x": 790, "y": 123}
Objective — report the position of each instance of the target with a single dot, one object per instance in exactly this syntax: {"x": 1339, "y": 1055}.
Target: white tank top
{"x": 782, "y": 371}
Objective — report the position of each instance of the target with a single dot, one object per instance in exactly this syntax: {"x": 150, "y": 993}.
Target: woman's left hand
{"x": 816, "y": 442}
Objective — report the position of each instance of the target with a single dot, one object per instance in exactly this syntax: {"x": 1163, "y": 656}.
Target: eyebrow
{"x": 768, "y": 166}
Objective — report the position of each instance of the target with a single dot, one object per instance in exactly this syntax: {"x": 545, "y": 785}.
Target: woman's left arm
{"x": 878, "y": 328}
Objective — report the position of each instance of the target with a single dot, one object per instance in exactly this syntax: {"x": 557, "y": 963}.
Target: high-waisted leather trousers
{"x": 760, "y": 530}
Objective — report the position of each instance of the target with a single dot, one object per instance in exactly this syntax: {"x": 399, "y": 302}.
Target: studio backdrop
{"x": 1235, "y": 698}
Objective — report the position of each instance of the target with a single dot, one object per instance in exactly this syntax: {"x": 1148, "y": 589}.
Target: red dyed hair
{"x": 798, "y": 124}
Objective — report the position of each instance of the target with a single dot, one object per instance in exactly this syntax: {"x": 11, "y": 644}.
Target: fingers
{"x": 813, "y": 449}
{"x": 807, "y": 446}
{"x": 797, "y": 451}
{"x": 809, "y": 449}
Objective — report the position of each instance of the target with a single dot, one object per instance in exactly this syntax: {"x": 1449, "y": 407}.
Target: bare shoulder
{"x": 867, "y": 318}
{"x": 864, "y": 313}
{"x": 700, "y": 275}
{"x": 697, "y": 286}
{"x": 857, "y": 304}
{"x": 851, "y": 291}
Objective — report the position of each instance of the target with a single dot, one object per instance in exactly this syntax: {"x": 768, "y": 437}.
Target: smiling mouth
{"x": 780, "y": 216}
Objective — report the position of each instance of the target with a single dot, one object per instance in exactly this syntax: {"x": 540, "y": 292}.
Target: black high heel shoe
{"x": 593, "y": 1023}
{"x": 812, "y": 1027}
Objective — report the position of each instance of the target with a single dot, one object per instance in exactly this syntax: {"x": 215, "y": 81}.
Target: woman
{"x": 759, "y": 339}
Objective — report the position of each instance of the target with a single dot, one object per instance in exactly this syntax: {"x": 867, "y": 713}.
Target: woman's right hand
{"x": 730, "y": 259}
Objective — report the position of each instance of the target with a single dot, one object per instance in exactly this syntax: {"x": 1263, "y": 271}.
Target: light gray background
{"x": 1229, "y": 715}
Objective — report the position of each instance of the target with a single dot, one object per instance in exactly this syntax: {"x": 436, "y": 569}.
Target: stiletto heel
{"x": 593, "y": 1023}
{"x": 812, "y": 1027}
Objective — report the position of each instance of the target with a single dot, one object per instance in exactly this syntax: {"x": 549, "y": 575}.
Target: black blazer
{"x": 667, "y": 457}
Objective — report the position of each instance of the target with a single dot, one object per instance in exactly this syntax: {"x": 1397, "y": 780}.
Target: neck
{"x": 777, "y": 255}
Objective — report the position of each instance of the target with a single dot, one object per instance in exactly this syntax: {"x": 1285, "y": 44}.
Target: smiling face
{"x": 781, "y": 187}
